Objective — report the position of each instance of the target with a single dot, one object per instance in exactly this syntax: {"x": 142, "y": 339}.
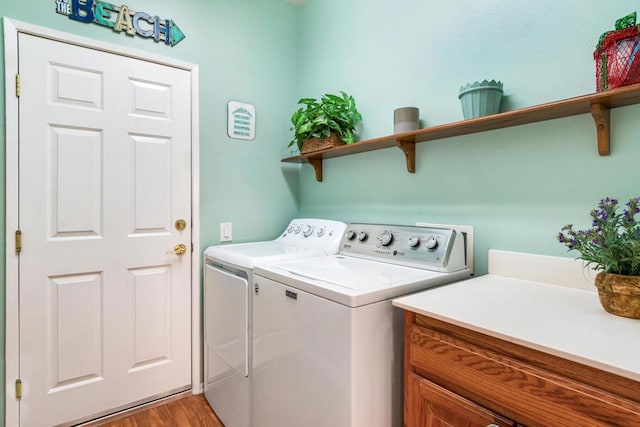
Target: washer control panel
{"x": 440, "y": 249}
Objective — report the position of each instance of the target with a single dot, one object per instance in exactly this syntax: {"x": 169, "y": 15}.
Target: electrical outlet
{"x": 226, "y": 232}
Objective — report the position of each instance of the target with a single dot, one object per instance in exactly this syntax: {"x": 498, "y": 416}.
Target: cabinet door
{"x": 429, "y": 405}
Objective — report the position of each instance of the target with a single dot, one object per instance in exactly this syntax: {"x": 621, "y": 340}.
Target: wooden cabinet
{"x": 458, "y": 377}
{"x": 437, "y": 406}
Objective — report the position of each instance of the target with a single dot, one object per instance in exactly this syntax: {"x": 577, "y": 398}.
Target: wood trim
{"x": 409, "y": 319}
{"x": 12, "y": 316}
{"x": 607, "y": 381}
{"x": 602, "y": 117}
{"x": 526, "y": 385}
{"x": 409, "y": 150}
{"x": 317, "y": 166}
{"x": 196, "y": 268}
{"x": 438, "y": 406}
{"x": 116, "y": 49}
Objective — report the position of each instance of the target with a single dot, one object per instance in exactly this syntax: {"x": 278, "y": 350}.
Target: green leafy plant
{"x": 612, "y": 244}
{"x": 317, "y": 119}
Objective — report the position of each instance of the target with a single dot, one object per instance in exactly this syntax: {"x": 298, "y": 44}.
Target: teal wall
{"x": 247, "y": 51}
{"x": 516, "y": 186}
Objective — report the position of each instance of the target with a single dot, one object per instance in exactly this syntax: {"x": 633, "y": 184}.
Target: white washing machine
{"x": 228, "y": 291}
{"x": 327, "y": 347}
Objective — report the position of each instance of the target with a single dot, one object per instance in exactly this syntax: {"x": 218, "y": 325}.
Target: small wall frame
{"x": 241, "y": 120}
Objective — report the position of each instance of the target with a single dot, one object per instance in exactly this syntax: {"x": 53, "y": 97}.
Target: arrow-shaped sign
{"x": 176, "y": 34}
{"x": 121, "y": 18}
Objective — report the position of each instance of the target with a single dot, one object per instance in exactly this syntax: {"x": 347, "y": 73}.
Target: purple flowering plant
{"x": 612, "y": 244}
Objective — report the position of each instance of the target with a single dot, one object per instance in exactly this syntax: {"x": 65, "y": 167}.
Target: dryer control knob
{"x": 308, "y": 230}
{"x": 431, "y": 243}
{"x": 351, "y": 235}
{"x": 414, "y": 241}
{"x": 386, "y": 238}
{"x": 320, "y": 232}
{"x": 297, "y": 228}
{"x": 362, "y": 236}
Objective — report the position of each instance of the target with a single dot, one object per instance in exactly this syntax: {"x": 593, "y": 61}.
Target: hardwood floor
{"x": 189, "y": 411}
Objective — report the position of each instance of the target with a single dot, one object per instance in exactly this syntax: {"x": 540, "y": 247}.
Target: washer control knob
{"x": 320, "y": 232}
{"x": 431, "y": 243}
{"x": 386, "y": 238}
{"x": 290, "y": 229}
{"x": 308, "y": 230}
{"x": 362, "y": 236}
{"x": 297, "y": 228}
{"x": 351, "y": 235}
{"x": 414, "y": 241}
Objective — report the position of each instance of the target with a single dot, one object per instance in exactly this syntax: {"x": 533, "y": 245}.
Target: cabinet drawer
{"x": 513, "y": 388}
{"x": 435, "y": 406}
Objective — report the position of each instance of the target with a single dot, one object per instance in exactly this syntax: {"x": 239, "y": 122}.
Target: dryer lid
{"x": 246, "y": 254}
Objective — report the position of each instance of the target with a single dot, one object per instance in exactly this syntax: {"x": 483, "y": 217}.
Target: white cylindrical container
{"x": 406, "y": 119}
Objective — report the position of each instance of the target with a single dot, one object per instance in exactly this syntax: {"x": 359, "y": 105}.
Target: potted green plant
{"x": 325, "y": 123}
{"x": 611, "y": 245}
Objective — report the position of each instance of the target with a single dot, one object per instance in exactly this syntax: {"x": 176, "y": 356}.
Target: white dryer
{"x": 327, "y": 340}
{"x": 228, "y": 292}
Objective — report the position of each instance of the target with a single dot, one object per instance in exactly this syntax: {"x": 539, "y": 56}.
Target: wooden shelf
{"x": 598, "y": 104}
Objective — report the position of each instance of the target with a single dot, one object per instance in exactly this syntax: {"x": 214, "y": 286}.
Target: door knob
{"x": 180, "y": 249}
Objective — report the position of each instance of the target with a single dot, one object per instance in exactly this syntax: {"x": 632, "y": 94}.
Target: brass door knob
{"x": 180, "y": 249}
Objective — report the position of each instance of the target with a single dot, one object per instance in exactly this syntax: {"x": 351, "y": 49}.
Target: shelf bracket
{"x": 317, "y": 165}
{"x": 601, "y": 115}
{"x": 409, "y": 150}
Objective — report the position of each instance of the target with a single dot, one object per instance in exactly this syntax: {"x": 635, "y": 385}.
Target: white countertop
{"x": 565, "y": 322}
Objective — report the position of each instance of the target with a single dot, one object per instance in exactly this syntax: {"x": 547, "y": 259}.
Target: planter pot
{"x": 315, "y": 144}
{"x": 480, "y": 98}
{"x": 619, "y": 294}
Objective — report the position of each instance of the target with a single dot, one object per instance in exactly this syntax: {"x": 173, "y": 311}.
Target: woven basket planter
{"x": 315, "y": 144}
{"x": 619, "y": 294}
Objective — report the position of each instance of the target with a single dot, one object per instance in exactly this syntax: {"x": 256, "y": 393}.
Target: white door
{"x": 105, "y": 310}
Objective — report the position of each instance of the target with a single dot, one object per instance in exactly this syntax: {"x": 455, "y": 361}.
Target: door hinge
{"x": 18, "y": 389}
{"x": 18, "y": 85}
{"x": 18, "y": 241}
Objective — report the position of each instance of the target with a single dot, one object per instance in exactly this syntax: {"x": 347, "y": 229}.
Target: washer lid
{"x": 246, "y": 254}
{"x": 354, "y": 281}
{"x": 353, "y": 273}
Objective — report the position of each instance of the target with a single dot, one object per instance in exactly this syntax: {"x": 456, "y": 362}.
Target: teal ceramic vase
{"x": 480, "y": 98}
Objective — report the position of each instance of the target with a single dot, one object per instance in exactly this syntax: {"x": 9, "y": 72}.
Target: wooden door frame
{"x": 12, "y": 28}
